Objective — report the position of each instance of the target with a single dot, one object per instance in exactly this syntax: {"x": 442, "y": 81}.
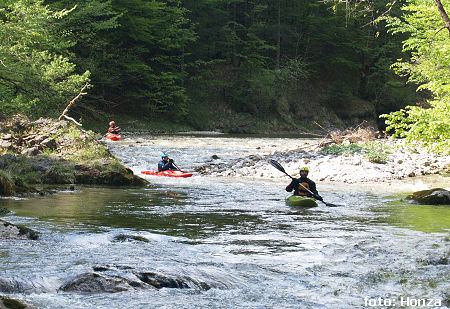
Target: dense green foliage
{"x": 204, "y": 61}
{"x": 429, "y": 67}
{"x": 36, "y": 73}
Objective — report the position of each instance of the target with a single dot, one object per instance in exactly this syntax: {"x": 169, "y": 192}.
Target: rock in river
{"x": 436, "y": 196}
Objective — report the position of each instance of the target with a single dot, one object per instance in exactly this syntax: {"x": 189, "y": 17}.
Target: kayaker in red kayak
{"x": 166, "y": 164}
{"x": 113, "y": 129}
{"x": 303, "y": 184}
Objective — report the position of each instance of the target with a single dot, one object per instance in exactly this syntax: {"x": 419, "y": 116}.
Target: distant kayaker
{"x": 303, "y": 184}
{"x": 166, "y": 164}
{"x": 113, "y": 129}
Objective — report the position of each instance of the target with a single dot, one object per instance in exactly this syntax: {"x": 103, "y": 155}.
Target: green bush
{"x": 377, "y": 152}
{"x": 341, "y": 149}
{"x": 376, "y": 157}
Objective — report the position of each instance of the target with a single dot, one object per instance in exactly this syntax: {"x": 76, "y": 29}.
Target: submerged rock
{"x": 124, "y": 237}
{"x": 117, "y": 278}
{"x": 160, "y": 281}
{"x": 24, "y": 286}
{"x": 12, "y": 231}
{"x": 96, "y": 283}
{"x": 436, "y": 196}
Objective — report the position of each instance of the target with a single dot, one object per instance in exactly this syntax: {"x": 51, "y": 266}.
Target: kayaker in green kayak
{"x": 166, "y": 164}
{"x": 303, "y": 184}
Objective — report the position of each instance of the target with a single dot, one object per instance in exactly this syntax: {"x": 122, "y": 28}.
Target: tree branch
{"x": 72, "y": 103}
{"x": 381, "y": 15}
{"x": 71, "y": 119}
{"x": 443, "y": 14}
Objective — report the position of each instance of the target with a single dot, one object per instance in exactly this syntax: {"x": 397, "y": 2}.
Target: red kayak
{"x": 113, "y": 137}
{"x": 169, "y": 173}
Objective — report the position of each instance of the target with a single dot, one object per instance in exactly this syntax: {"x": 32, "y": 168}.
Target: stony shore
{"x": 392, "y": 161}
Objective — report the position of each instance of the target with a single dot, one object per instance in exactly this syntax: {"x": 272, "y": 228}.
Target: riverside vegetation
{"x": 235, "y": 66}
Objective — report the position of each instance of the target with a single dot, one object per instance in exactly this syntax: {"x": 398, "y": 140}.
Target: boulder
{"x": 5, "y": 144}
{"x": 165, "y": 281}
{"x": 17, "y": 285}
{"x": 32, "y": 140}
{"x": 11, "y": 303}
{"x": 162, "y": 281}
{"x": 33, "y": 151}
{"x": 436, "y": 196}
{"x": 48, "y": 143}
{"x": 96, "y": 283}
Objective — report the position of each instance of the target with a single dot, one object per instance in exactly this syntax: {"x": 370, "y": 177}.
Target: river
{"x": 234, "y": 234}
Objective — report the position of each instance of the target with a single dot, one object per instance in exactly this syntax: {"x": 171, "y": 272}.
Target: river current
{"x": 235, "y": 234}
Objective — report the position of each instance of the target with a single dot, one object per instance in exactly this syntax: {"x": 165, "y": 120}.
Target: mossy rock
{"x": 436, "y": 196}
{"x": 60, "y": 174}
{"x": 122, "y": 178}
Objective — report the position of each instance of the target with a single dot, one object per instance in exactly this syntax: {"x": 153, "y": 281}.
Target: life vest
{"x": 301, "y": 191}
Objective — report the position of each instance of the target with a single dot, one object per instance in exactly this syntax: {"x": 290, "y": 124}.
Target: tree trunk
{"x": 443, "y": 14}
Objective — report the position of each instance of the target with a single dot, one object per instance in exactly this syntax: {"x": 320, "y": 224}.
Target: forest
{"x": 228, "y": 64}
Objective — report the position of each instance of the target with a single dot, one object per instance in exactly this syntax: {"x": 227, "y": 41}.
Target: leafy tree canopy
{"x": 36, "y": 73}
{"x": 428, "y": 44}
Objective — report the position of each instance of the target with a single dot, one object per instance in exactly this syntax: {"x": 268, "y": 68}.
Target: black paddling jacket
{"x": 165, "y": 166}
{"x": 298, "y": 190}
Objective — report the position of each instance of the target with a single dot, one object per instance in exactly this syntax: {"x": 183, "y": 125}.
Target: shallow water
{"x": 235, "y": 234}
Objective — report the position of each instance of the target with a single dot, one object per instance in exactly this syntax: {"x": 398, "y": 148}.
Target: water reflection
{"x": 425, "y": 218}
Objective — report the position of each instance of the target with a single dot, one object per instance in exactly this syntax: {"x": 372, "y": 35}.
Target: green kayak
{"x": 300, "y": 201}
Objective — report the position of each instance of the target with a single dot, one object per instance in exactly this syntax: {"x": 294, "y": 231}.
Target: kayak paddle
{"x": 281, "y": 169}
{"x": 177, "y": 167}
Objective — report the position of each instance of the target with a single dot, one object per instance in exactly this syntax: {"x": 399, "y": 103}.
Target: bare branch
{"x": 440, "y": 29}
{"x": 72, "y": 103}
{"x": 381, "y": 15}
{"x": 3, "y": 63}
{"x": 71, "y": 119}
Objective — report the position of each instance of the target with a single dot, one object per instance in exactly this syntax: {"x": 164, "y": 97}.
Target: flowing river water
{"x": 234, "y": 234}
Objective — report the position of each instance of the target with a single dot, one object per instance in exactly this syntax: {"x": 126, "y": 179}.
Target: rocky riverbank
{"x": 43, "y": 152}
{"x": 380, "y": 160}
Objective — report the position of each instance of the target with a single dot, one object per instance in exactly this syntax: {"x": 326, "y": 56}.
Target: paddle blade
{"x": 277, "y": 166}
{"x": 330, "y": 205}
